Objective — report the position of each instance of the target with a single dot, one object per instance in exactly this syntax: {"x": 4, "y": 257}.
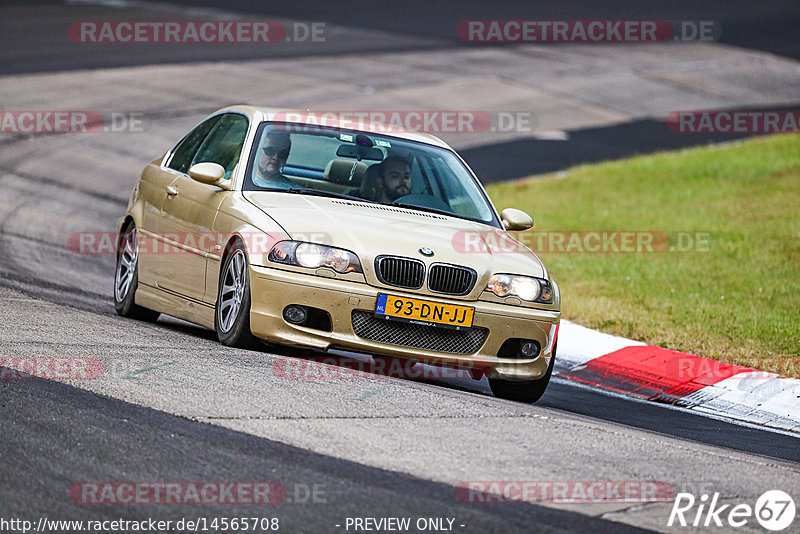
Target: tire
{"x": 126, "y": 277}
{"x": 527, "y": 391}
{"x": 232, "y": 311}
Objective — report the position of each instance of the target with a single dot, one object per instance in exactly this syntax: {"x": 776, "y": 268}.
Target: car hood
{"x": 371, "y": 230}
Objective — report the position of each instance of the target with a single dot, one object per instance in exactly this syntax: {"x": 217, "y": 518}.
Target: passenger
{"x": 271, "y": 159}
{"x": 367, "y": 189}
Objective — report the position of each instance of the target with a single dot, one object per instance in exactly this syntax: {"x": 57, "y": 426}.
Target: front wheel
{"x": 232, "y": 315}
{"x": 528, "y": 391}
{"x": 126, "y": 277}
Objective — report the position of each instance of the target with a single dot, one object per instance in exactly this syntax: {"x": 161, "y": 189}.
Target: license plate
{"x": 424, "y": 312}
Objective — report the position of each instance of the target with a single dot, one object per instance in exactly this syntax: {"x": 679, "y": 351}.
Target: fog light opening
{"x": 295, "y": 314}
{"x": 529, "y": 349}
{"x": 478, "y": 372}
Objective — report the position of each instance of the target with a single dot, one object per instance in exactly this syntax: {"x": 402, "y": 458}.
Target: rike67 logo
{"x": 774, "y": 510}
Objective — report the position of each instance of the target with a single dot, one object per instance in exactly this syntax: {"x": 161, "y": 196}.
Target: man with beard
{"x": 394, "y": 179}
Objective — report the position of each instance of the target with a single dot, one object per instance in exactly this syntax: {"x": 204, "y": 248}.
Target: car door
{"x": 155, "y": 183}
{"x": 189, "y": 210}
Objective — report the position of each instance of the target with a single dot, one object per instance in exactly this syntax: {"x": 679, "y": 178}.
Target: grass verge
{"x": 734, "y": 296}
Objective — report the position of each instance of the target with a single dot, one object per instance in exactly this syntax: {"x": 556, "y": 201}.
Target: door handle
{"x": 171, "y": 191}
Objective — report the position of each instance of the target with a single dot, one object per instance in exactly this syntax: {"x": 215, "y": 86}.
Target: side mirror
{"x": 514, "y": 219}
{"x": 207, "y": 172}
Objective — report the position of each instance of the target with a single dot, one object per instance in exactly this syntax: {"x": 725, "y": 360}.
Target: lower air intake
{"x": 367, "y": 326}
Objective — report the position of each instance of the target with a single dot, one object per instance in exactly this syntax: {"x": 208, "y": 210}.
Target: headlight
{"x": 524, "y": 287}
{"x": 310, "y": 255}
{"x": 313, "y": 256}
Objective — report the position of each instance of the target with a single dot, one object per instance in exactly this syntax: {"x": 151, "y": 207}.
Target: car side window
{"x": 224, "y": 144}
{"x": 184, "y": 153}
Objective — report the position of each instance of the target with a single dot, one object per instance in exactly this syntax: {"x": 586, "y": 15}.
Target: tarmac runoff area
{"x": 59, "y": 302}
{"x": 470, "y": 97}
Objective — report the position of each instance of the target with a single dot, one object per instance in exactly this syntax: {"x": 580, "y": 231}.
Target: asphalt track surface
{"x": 85, "y": 436}
{"x": 176, "y": 406}
{"x": 31, "y": 44}
{"x": 31, "y": 40}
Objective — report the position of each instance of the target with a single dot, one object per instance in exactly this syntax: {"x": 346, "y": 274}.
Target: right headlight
{"x": 526, "y": 288}
{"x": 313, "y": 256}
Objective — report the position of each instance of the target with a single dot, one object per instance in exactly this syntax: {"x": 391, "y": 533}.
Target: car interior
{"x": 348, "y": 164}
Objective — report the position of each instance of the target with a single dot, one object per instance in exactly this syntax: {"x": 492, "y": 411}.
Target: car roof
{"x": 260, "y": 114}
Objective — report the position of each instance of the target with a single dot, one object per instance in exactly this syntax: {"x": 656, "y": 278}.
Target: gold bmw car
{"x": 266, "y": 226}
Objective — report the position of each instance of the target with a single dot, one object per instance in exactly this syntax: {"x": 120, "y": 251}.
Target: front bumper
{"x": 274, "y": 289}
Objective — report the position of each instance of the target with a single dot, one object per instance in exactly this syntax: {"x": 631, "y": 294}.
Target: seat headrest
{"x": 368, "y": 187}
{"x": 339, "y": 171}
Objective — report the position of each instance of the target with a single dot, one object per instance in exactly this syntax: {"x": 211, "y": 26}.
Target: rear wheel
{"x": 126, "y": 277}
{"x": 232, "y": 315}
{"x": 527, "y": 391}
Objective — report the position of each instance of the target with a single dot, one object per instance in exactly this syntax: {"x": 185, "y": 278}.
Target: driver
{"x": 271, "y": 159}
{"x": 394, "y": 179}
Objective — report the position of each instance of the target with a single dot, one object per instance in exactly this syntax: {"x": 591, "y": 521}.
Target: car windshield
{"x": 369, "y": 167}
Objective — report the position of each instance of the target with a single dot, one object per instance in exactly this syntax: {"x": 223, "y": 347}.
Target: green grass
{"x": 739, "y": 302}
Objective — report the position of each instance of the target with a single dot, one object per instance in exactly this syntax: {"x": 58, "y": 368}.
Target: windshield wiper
{"x": 425, "y": 208}
{"x": 323, "y": 193}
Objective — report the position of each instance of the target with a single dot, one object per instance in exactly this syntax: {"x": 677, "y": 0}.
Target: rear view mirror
{"x": 207, "y": 172}
{"x": 360, "y": 152}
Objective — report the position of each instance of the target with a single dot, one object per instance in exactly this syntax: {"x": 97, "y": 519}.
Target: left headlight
{"x": 525, "y": 287}
{"x": 313, "y": 256}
